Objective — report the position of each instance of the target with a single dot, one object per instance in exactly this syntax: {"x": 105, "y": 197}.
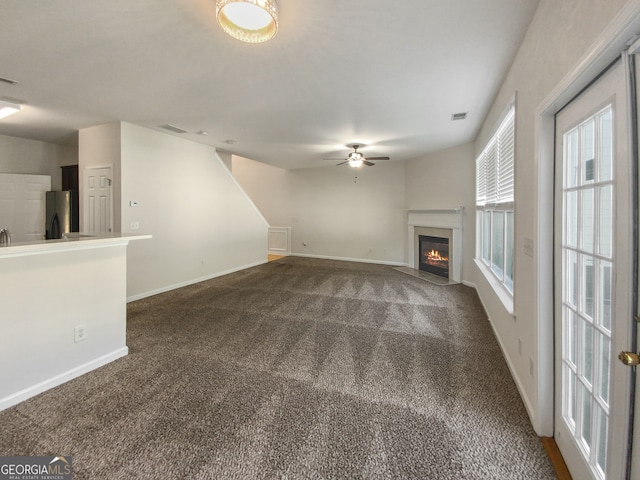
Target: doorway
{"x": 97, "y": 200}
{"x": 594, "y": 277}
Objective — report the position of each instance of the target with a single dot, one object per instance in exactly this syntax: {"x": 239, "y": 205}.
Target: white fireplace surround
{"x": 445, "y": 223}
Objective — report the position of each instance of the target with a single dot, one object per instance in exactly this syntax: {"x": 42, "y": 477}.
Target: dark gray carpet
{"x": 300, "y": 368}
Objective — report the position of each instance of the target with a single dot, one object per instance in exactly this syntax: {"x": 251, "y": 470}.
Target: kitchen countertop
{"x": 71, "y": 241}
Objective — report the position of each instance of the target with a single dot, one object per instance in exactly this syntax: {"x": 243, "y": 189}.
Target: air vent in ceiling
{"x": 8, "y": 80}
{"x": 173, "y": 128}
{"x": 459, "y": 116}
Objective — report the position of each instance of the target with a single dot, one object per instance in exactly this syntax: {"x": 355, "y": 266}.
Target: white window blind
{"x": 495, "y": 166}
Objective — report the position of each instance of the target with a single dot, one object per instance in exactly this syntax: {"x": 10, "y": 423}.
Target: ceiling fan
{"x": 356, "y": 159}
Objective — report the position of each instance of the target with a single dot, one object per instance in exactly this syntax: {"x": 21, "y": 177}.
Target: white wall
{"x": 443, "y": 180}
{"x": 330, "y": 212}
{"x": 560, "y": 34}
{"x": 202, "y": 222}
{"x": 43, "y": 297}
{"x": 21, "y": 155}
{"x": 100, "y": 146}
{"x": 267, "y": 186}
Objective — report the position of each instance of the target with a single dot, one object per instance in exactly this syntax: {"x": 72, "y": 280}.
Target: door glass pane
{"x": 570, "y": 398}
{"x": 601, "y": 447}
{"x": 571, "y": 158}
{"x": 606, "y": 144}
{"x": 585, "y": 419}
{"x": 587, "y": 157}
{"x": 587, "y": 352}
{"x": 588, "y": 220}
{"x": 587, "y": 285}
{"x": 572, "y": 336}
{"x": 604, "y": 294}
{"x": 571, "y": 218}
{"x": 605, "y": 354}
{"x": 605, "y": 232}
{"x": 571, "y": 283}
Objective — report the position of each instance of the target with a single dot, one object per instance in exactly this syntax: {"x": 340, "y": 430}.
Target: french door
{"x": 594, "y": 278}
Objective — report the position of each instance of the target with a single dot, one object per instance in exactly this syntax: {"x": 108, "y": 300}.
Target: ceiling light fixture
{"x": 355, "y": 159}
{"x": 8, "y": 108}
{"x": 250, "y": 21}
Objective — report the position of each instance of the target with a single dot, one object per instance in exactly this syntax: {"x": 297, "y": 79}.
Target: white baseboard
{"x": 512, "y": 369}
{"x": 346, "y": 259}
{"x": 22, "y": 395}
{"x": 168, "y": 288}
{"x": 469, "y": 284}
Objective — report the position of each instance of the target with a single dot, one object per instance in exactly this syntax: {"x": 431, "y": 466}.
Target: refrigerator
{"x": 61, "y": 213}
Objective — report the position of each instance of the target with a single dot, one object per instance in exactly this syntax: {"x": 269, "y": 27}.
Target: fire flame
{"x": 434, "y": 255}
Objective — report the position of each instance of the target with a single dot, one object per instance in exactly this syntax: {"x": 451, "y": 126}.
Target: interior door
{"x": 593, "y": 278}
{"x": 22, "y": 202}
{"x": 97, "y": 200}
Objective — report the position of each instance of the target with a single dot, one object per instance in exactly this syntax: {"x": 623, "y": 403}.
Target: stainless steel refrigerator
{"x": 62, "y": 214}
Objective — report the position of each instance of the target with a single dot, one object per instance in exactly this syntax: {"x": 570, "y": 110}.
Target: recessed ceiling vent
{"x": 173, "y": 128}
{"x": 459, "y": 116}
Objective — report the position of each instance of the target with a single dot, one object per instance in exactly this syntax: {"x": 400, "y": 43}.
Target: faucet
{"x": 5, "y": 237}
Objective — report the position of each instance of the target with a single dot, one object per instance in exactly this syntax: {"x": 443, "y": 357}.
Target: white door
{"x": 97, "y": 200}
{"x": 22, "y": 205}
{"x": 593, "y": 279}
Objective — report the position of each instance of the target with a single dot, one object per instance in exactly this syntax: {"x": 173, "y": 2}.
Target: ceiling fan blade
{"x": 377, "y": 158}
{"x": 347, "y": 161}
{"x": 334, "y": 159}
{"x": 369, "y": 164}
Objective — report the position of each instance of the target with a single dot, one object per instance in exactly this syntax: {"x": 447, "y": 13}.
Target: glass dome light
{"x": 251, "y": 21}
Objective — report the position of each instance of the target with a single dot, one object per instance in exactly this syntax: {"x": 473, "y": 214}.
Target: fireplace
{"x": 443, "y": 224}
{"x": 434, "y": 255}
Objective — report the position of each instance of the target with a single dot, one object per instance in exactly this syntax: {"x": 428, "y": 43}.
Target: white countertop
{"x": 72, "y": 241}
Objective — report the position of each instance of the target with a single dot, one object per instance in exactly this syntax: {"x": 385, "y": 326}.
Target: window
{"x": 494, "y": 202}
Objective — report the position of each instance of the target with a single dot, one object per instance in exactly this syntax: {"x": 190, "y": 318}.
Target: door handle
{"x": 630, "y": 359}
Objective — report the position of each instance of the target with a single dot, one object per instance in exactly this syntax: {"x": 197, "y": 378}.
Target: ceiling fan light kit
{"x": 250, "y": 21}
{"x": 356, "y": 159}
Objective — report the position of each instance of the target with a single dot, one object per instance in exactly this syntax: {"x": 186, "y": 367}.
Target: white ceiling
{"x": 388, "y": 74}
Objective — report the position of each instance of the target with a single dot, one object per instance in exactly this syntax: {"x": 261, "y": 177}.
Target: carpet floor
{"x": 296, "y": 369}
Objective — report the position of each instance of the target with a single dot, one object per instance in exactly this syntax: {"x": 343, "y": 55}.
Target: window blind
{"x": 495, "y": 165}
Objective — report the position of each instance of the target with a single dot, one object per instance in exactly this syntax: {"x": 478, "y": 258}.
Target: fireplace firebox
{"x": 434, "y": 255}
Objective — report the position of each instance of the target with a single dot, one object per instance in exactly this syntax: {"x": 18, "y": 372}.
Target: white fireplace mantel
{"x": 450, "y": 219}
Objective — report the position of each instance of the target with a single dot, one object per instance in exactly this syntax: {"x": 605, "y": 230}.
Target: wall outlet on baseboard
{"x": 80, "y": 333}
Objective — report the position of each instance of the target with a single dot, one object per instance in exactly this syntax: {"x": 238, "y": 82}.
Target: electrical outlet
{"x": 80, "y": 333}
{"x": 528, "y": 247}
{"x": 134, "y": 225}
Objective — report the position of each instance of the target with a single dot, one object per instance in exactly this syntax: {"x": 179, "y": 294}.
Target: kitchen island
{"x": 63, "y": 310}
